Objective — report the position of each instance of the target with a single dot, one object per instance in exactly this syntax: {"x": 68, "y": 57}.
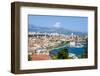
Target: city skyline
{"x": 73, "y": 23}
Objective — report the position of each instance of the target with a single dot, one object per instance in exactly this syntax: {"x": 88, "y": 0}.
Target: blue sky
{"x": 73, "y": 23}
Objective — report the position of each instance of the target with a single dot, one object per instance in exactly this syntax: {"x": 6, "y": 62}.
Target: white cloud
{"x": 57, "y": 25}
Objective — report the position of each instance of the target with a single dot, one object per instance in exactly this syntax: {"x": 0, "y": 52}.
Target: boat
{"x": 77, "y": 45}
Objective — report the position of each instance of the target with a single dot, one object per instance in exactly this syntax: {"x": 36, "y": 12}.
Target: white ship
{"x": 76, "y": 45}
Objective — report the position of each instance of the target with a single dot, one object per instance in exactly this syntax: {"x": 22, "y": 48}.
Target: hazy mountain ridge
{"x": 34, "y": 28}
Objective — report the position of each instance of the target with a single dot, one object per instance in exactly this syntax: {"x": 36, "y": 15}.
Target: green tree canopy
{"x": 63, "y": 54}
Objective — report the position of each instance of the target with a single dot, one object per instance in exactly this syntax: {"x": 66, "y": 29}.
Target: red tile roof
{"x": 40, "y": 57}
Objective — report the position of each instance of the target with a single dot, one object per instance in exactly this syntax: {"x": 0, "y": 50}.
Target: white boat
{"x": 77, "y": 45}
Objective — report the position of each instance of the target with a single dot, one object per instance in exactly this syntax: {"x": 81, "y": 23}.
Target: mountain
{"x": 34, "y": 28}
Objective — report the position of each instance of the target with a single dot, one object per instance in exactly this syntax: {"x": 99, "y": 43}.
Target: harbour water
{"x": 75, "y": 50}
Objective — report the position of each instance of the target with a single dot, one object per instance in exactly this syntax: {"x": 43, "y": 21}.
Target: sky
{"x": 73, "y": 23}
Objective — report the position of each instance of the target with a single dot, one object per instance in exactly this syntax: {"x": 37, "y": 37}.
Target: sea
{"x": 75, "y": 50}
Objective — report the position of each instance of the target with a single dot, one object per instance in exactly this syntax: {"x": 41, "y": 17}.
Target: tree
{"x": 29, "y": 57}
{"x": 85, "y": 54}
{"x": 63, "y": 54}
